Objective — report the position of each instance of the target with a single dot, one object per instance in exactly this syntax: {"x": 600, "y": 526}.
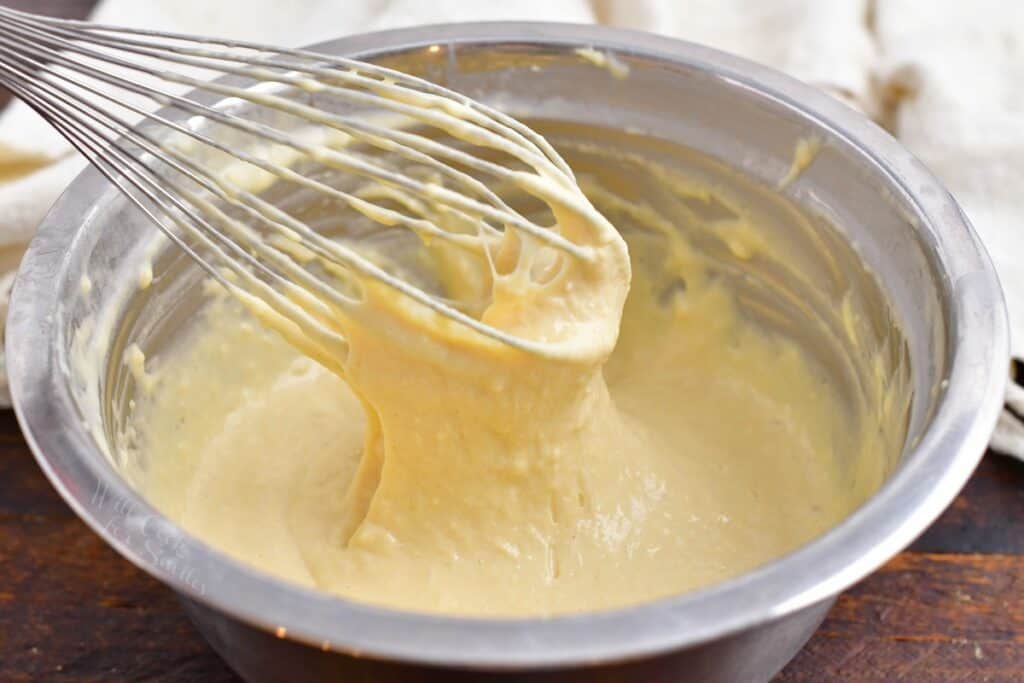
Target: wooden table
{"x": 951, "y": 608}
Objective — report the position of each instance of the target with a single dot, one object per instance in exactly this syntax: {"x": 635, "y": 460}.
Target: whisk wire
{"x": 117, "y": 164}
{"x": 66, "y": 71}
{"x": 346, "y": 162}
{"x": 528, "y": 136}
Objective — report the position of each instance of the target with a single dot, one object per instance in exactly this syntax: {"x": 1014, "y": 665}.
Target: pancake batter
{"x": 441, "y": 471}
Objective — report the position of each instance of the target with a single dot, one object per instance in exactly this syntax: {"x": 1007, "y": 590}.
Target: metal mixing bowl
{"x": 932, "y": 275}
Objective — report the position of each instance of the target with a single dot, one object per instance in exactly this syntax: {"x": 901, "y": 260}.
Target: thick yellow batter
{"x": 450, "y": 473}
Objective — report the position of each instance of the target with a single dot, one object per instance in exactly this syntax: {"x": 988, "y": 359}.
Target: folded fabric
{"x": 826, "y": 44}
{"x": 951, "y": 75}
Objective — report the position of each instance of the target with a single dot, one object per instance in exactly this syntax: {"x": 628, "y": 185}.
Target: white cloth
{"x": 825, "y": 43}
{"x": 958, "y": 70}
{"x": 943, "y": 75}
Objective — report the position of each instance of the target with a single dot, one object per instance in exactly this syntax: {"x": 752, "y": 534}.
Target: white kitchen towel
{"x": 943, "y": 75}
{"x": 826, "y": 43}
{"x": 952, "y": 73}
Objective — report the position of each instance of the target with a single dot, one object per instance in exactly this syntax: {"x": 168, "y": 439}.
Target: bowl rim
{"x": 931, "y": 475}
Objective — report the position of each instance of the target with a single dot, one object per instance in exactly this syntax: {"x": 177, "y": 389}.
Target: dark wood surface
{"x": 949, "y": 609}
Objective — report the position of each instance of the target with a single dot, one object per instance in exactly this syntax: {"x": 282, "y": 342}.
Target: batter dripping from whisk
{"x": 448, "y": 472}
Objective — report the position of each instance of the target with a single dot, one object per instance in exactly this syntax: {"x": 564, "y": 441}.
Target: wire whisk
{"x": 435, "y": 162}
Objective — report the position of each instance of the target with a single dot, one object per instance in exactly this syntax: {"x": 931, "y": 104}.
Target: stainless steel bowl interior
{"x": 925, "y": 271}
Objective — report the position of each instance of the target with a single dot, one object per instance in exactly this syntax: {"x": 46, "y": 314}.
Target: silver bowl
{"x": 930, "y": 272}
